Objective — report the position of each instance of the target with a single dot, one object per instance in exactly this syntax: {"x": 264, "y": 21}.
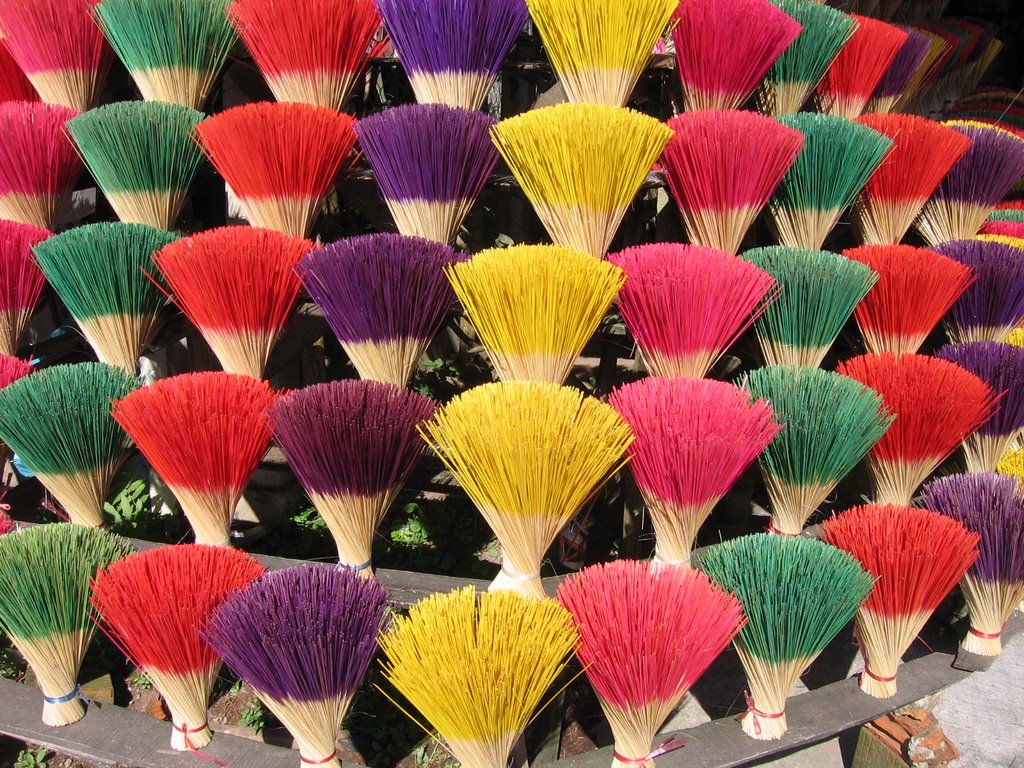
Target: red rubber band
{"x": 773, "y": 530}
{"x": 985, "y": 635}
{"x": 184, "y": 729}
{"x": 327, "y": 759}
{"x": 880, "y": 679}
{"x": 670, "y": 744}
{"x": 758, "y": 714}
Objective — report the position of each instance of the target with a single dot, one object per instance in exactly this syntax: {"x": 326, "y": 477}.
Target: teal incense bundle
{"x": 21, "y": 281}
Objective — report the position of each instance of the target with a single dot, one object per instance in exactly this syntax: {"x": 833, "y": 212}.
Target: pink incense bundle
{"x": 686, "y": 304}
{"x": 14, "y": 86}
{"x": 38, "y": 163}
{"x": 725, "y": 47}
{"x": 694, "y": 438}
{"x": 722, "y": 169}
{"x": 856, "y": 72}
{"x": 21, "y": 281}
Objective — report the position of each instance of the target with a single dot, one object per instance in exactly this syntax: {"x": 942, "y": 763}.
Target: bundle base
{"x": 880, "y": 689}
{"x": 55, "y": 660}
{"x": 65, "y": 713}
{"x": 242, "y": 352}
{"x": 764, "y": 728}
{"x": 437, "y": 220}
{"x": 983, "y": 643}
{"x": 314, "y": 725}
{"x": 456, "y": 89}
{"x": 353, "y": 520}
{"x": 118, "y": 339}
{"x": 40, "y": 210}
{"x": 82, "y": 494}
{"x": 186, "y": 86}
{"x": 391, "y": 361}
{"x": 320, "y": 87}
{"x": 291, "y": 215}
{"x": 676, "y": 527}
{"x": 580, "y": 227}
{"x": 208, "y": 512}
{"x": 156, "y": 208}
{"x": 527, "y": 586}
{"x": 74, "y": 88}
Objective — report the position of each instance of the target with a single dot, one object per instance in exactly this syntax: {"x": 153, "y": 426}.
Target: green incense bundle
{"x": 831, "y": 422}
{"x": 839, "y": 157}
{"x": 45, "y": 584}
{"x": 58, "y": 422}
{"x": 797, "y": 593}
{"x": 1014, "y": 215}
{"x": 801, "y": 66}
{"x": 142, "y": 155}
{"x": 818, "y": 292}
{"x": 101, "y": 273}
{"x": 173, "y": 49}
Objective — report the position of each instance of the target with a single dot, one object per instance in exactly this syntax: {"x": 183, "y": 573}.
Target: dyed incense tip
{"x": 994, "y": 304}
{"x": 1002, "y": 367}
{"x": 899, "y": 73}
{"x": 21, "y": 281}
{"x": 860, "y": 66}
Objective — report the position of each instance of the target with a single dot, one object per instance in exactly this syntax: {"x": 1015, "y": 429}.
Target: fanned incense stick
{"x": 11, "y": 369}
{"x": 830, "y": 422}
{"x": 694, "y": 438}
{"x": 898, "y": 76}
{"x": 719, "y": 69}
{"x": 838, "y": 158}
{"x": 204, "y": 434}
{"x": 916, "y": 557}
{"x": 384, "y": 296}
{"x": 237, "y": 285}
{"x": 153, "y": 605}
{"x": 45, "y": 575}
{"x": 546, "y": 450}
{"x": 477, "y": 671}
{"x": 580, "y": 166}
{"x": 993, "y": 305}
{"x": 535, "y": 306}
{"x": 58, "y": 422}
{"x": 308, "y": 51}
{"x": 21, "y": 281}
{"x": 303, "y": 638}
{"x": 38, "y": 163}
{"x": 722, "y": 169}
{"x": 14, "y": 85}
{"x": 818, "y": 292}
{"x": 279, "y": 159}
{"x": 599, "y": 49}
{"x": 915, "y": 288}
{"x": 452, "y": 52}
{"x": 102, "y": 274}
{"x": 59, "y": 47}
{"x": 142, "y": 156}
{"x": 647, "y": 634}
{"x": 352, "y": 444}
{"x": 797, "y": 593}
{"x": 937, "y": 404}
{"x": 686, "y": 304}
{"x": 430, "y": 162}
{"x": 990, "y": 505}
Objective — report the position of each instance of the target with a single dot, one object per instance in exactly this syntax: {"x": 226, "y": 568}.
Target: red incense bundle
{"x": 21, "y": 281}
{"x": 14, "y": 86}
{"x": 858, "y": 69}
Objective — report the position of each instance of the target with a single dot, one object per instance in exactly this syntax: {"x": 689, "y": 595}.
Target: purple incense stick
{"x": 903, "y": 67}
{"x": 995, "y": 300}
{"x": 989, "y": 169}
{"x": 1001, "y": 366}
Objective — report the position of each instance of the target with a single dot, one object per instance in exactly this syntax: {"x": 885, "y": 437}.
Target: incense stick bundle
{"x": 452, "y": 53}
{"x": 154, "y": 605}
{"x": 535, "y": 306}
{"x": 204, "y": 434}
{"x": 1001, "y": 366}
{"x": 722, "y": 169}
{"x": 101, "y": 273}
{"x": 800, "y": 67}
{"x": 686, "y": 304}
{"x": 11, "y": 369}
{"x": 477, "y": 671}
{"x": 59, "y": 47}
{"x": 173, "y": 49}
{"x": 896, "y": 81}
{"x": 647, "y": 634}
{"x": 308, "y": 51}
{"x": 922, "y": 153}
{"x": 546, "y": 451}
{"x": 915, "y": 288}
{"x": 279, "y": 159}
{"x": 990, "y": 505}
{"x": 797, "y": 593}
{"x": 937, "y": 404}
{"x": 21, "y": 281}
{"x": 694, "y": 438}
{"x": 838, "y": 158}
{"x": 1014, "y": 229}
{"x": 384, "y": 296}
{"x": 430, "y": 162}
{"x": 7, "y": 525}
{"x": 830, "y": 422}
{"x": 14, "y": 85}
{"x": 307, "y": 661}
{"x": 1003, "y": 212}
{"x": 847, "y": 86}
{"x": 141, "y": 154}
{"x": 982, "y": 177}
{"x": 993, "y": 305}
{"x": 352, "y": 444}
{"x": 58, "y": 422}
{"x": 38, "y": 164}
{"x": 598, "y": 50}
{"x": 916, "y": 557}
{"x": 580, "y": 166}
{"x": 237, "y": 285}
{"x": 45, "y": 575}
{"x": 718, "y": 68}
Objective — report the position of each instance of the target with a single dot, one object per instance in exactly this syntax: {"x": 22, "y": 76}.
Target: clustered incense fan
{"x": 21, "y": 281}
{"x": 993, "y": 305}
{"x": 898, "y": 77}
{"x": 14, "y": 85}
{"x": 11, "y": 369}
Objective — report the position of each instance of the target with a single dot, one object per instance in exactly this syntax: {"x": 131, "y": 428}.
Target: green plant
{"x": 413, "y": 533}
{"x": 140, "y": 681}
{"x": 254, "y": 716}
{"x": 128, "y": 507}
{"x": 31, "y": 758}
{"x": 12, "y": 665}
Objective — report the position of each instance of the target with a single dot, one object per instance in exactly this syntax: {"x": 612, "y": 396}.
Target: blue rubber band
{"x": 75, "y": 694}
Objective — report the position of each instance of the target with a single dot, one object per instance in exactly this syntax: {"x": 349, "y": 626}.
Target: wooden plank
{"x": 971, "y": 662}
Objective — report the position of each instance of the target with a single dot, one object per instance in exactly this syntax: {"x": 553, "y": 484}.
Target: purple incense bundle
{"x": 989, "y": 505}
{"x": 452, "y": 49}
{"x": 1001, "y": 366}
{"x": 303, "y": 638}
{"x": 352, "y": 444}
{"x": 993, "y": 305}
{"x": 903, "y": 68}
{"x": 384, "y": 296}
{"x": 430, "y": 162}
{"x": 975, "y": 185}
